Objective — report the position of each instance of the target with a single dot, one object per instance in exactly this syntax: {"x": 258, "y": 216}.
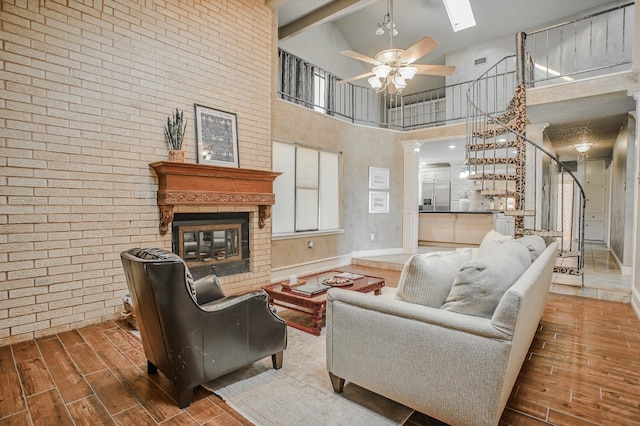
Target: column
{"x": 410, "y": 218}
{"x": 533, "y": 190}
{"x": 635, "y": 267}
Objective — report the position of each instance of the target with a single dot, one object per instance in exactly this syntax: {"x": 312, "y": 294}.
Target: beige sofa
{"x": 457, "y": 368}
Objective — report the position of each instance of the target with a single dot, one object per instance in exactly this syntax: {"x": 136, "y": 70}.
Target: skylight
{"x": 460, "y": 14}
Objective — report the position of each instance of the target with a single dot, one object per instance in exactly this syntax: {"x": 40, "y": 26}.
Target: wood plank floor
{"x": 583, "y": 369}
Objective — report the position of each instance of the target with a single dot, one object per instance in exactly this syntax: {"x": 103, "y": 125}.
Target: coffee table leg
{"x": 317, "y": 320}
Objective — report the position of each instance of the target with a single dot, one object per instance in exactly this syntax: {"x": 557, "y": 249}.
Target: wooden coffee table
{"x": 316, "y": 305}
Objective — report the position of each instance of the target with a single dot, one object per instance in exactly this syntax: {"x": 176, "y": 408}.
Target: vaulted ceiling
{"x": 599, "y": 118}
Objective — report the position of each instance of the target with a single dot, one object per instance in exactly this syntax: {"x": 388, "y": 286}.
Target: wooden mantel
{"x": 204, "y": 185}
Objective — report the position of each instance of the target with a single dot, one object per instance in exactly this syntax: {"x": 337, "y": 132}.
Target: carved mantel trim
{"x": 204, "y": 185}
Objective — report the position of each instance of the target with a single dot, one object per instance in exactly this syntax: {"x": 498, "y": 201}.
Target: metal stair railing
{"x": 524, "y": 179}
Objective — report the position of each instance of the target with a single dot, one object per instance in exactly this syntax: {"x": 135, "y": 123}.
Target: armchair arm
{"x": 238, "y": 329}
{"x": 228, "y": 301}
{"x": 208, "y": 289}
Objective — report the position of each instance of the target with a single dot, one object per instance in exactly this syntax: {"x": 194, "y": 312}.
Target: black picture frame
{"x": 216, "y": 137}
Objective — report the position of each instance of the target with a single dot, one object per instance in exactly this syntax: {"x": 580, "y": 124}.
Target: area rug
{"x": 300, "y": 393}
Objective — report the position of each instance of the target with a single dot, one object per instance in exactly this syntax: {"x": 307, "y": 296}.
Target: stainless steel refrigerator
{"x": 436, "y": 196}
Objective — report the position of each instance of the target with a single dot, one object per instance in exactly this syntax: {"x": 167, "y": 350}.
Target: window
{"x": 307, "y": 191}
{"x": 319, "y": 87}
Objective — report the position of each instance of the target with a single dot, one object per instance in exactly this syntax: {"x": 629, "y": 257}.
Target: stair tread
{"x": 491, "y": 132}
{"x": 492, "y": 145}
{"x": 571, "y": 270}
{"x": 570, "y": 253}
{"x": 499, "y": 192}
{"x": 540, "y": 232}
{"x": 519, "y": 213}
{"x": 492, "y": 177}
{"x": 491, "y": 160}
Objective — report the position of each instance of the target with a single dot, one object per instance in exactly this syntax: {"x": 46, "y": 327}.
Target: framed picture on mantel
{"x": 217, "y": 137}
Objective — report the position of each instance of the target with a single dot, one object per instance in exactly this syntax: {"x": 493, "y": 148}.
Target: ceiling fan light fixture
{"x": 399, "y": 82}
{"x": 381, "y": 71}
{"x": 460, "y": 14}
{"x": 375, "y": 83}
{"x": 408, "y": 73}
{"x": 379, "y": 30}
{"x": 583, "y": 147}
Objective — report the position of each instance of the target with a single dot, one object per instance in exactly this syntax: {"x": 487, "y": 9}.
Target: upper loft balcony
{"x": 586, "y": 57}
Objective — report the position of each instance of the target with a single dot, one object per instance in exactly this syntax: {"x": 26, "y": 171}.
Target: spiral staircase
{"x": 523, "y": 178}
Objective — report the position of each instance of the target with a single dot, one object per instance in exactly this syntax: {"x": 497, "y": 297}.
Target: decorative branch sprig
{"x": 174, "y": 130}
{"x": 463, "y": 193}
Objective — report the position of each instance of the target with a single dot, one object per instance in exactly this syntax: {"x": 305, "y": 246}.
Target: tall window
{"x": 319, "y": 87}
{"x": 307, "y": 191}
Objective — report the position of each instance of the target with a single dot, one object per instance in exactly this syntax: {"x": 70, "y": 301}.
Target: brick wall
{"x": 86, "y": 87}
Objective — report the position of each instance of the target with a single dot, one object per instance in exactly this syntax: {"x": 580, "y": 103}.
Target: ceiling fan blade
{"x": 425, "y": 45}
{"x": 359, "y": 57}
{"x": 357, "y": 77}
{"x": 442, "y": 70}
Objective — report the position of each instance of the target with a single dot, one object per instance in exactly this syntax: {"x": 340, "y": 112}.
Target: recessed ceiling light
{"x": 502, "y": 140}
{"x": 452, "y": 147}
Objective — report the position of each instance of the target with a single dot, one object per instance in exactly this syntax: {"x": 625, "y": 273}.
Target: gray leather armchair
{"x": 190, "y": 330}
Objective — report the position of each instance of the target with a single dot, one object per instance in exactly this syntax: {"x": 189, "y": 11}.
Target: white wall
{"x": 328, "y": 57}
{"x": 463, "y": 59}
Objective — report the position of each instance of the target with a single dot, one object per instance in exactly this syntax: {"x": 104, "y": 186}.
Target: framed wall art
{"x": 378, "y": 202}
{"x": 216, "y": 137}
{"x": 378, "y": 178}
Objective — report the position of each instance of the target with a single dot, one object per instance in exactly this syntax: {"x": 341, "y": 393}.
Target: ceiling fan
{"x": 393, "y": 67}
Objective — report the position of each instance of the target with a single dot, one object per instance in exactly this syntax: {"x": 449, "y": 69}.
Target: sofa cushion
{"x": 534, "y": 243}
{"x": 426, "y": 279}
{"x": 490, "y": 241}
{"x": 481, "y": 282}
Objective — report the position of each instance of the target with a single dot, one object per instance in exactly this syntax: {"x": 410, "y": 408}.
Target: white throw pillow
{"x": 490, "y": 241}
{"x": 481, "y": 282}
{"x": 426, "y": 279}
{"x": 534, "y": 243}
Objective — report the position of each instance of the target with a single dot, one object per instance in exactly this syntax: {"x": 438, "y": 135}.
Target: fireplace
{"x": 212, "y": 243}
{"x": 203, "y": 200}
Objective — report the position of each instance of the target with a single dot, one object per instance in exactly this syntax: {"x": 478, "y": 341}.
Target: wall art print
{"x": 216, "y": 137}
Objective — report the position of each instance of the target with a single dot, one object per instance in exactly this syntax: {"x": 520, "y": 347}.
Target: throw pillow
{"x": 534, "y": 243}
{"x": 490, "y": 241}
{"x": 426, "y": 279}
{"x": 481, "y": 282}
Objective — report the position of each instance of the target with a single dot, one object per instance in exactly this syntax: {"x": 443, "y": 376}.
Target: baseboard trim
{"x": 635, "y": 300}
{"x": 379, "y": 252}
{"x": 624, "y": 270}
{"x": 308, "y": 268}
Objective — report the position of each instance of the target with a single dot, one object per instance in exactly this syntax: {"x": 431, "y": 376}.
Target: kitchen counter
{"x": 454, "y": 228}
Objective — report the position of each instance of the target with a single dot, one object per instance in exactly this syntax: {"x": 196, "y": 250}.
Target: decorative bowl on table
{"x": 337, "y": 281}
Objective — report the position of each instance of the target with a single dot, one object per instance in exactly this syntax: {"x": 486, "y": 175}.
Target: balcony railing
{"x": 593, "y": 45}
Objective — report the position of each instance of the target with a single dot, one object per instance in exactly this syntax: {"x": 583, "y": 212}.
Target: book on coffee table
{"x": 310, "y": 289}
